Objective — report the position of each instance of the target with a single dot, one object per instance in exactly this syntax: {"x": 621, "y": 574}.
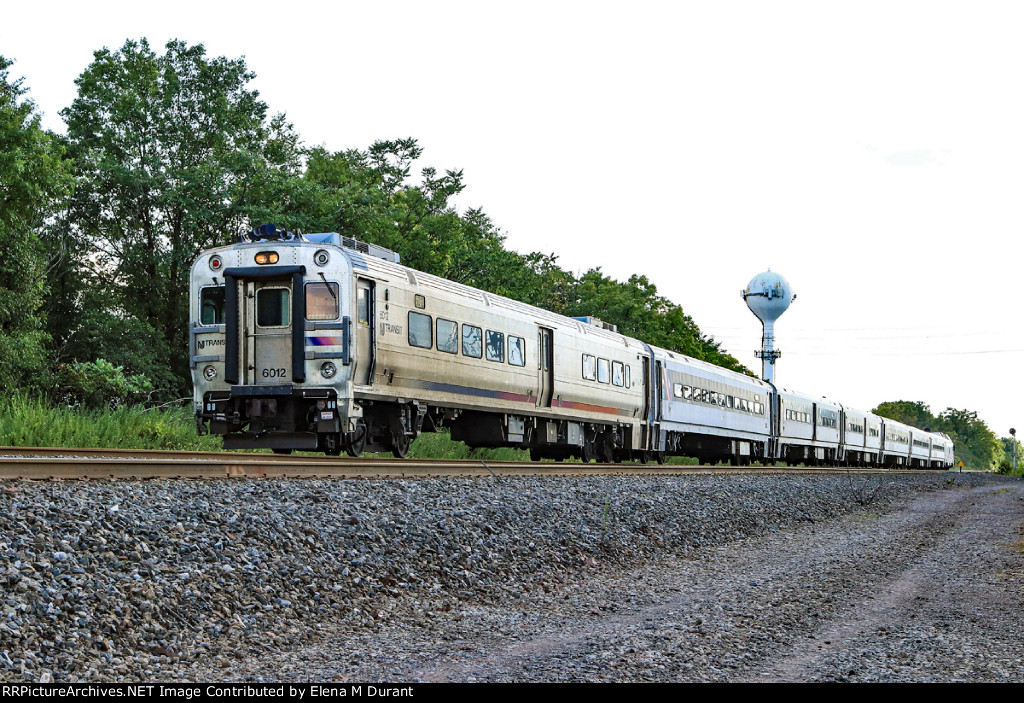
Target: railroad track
{"x": 47, "y": 463}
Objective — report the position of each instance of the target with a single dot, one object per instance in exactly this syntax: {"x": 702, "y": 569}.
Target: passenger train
{"x": 322, "y": 343}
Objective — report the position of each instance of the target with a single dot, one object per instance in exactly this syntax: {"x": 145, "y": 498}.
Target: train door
{"x": 366, "y": 351}
{"x": 645, "y": 374}
{"x": 774, "y": 424}
{"x": 267, "y": 326}
{"x": 658, "y": 385}
{"x": 841, "y": 451}
{"x": 545, "y": 367}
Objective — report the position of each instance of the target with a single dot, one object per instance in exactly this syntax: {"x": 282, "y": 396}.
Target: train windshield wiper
{"x": 329, "y": 289}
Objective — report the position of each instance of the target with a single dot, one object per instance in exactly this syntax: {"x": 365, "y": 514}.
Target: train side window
{"x": 421, "y": 330}
{"x": 363, "y": 304}
{"x": 629, "y": 380}
{"x": 272, "y": 307}
{"x": 729, "y": 400}
{"x": 603, "y": 374}
{"x": 211, "y": 305}
{"x": 447, "y": 336}
{"x": 687, "y": 393}
{"x": 516, "y": 351}
{"x": 677, "y": 390}
{"x": 322, "y": 301}
{"x": 618, "y": 373}
{"x": 495, "y": 346}
{"x": 589, "y": 367}
{"x": 472, "y": 338}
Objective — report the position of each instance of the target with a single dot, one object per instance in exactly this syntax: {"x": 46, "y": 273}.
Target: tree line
{"x": 976, "y": 445}
{"x": 168, "y": 154}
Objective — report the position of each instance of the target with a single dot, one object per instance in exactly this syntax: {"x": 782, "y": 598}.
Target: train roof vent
{"x": 598, "y": 323}
{"x": 355, "y": 245}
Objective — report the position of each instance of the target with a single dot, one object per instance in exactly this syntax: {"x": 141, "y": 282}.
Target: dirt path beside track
{"x": 930, "y": 591}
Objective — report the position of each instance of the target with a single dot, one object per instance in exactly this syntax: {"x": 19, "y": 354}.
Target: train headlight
{"x": 267, "y": 257}
{"x": 328, "y": 369}
{"x": 321, "y": 257}
{"x": 216, "y": 263}
{"x": 209, "y": 373}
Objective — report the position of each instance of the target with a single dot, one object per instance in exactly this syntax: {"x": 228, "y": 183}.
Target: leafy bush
{"x": 100, "y": 384}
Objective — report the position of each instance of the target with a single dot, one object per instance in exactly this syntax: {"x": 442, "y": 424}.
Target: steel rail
{"x": 29, "y": 463}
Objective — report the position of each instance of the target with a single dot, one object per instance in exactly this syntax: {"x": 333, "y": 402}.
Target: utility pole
{"x": 1013, "y": 441}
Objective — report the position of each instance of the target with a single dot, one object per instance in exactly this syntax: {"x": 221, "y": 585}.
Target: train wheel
{"x": 641, "y": 457}
{"x": 534, "y": 454}
{"x": 355, "y": 447}
{"x": 588, "y": 452}
{"x": 606, "y": 448}
{"x": 400, "y": 446}
{"x": 278, "y": 450}
{"x": 355, "y": 441}
{"x": 660, "y": 457}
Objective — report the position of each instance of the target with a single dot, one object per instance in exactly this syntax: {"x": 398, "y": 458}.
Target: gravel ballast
{"x": 703, "y": 578}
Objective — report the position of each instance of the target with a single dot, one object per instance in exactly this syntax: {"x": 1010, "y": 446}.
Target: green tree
{"x": 33, "y": 179}
{"x": 169, "y": 150}
{"x": 913, "y": 413}
{"x": 371, "y": 196}
{"x": 976, "y": 445}
{"x": 638, "y": 311}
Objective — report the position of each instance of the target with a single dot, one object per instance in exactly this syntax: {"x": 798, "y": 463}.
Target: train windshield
{"x": 322, "y": 301}
{"x": 211, "y": 305}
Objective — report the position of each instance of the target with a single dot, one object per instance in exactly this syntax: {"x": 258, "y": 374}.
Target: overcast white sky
{"x": 870, "y": 152}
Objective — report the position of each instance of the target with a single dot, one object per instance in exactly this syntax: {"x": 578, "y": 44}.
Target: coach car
{"x": 323, "y": 343}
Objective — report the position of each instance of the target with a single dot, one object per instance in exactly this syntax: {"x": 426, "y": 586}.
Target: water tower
{"x": 768, "y": 295}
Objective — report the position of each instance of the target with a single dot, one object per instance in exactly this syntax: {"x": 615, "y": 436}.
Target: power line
{"x": 908, "y": 352}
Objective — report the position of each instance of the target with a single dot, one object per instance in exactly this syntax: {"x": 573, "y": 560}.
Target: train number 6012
{"x": 273, "y": 373}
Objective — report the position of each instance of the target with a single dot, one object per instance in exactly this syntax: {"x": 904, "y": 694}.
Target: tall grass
{"x": 30, "y": 422}
{"x": 439, "y": 445}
